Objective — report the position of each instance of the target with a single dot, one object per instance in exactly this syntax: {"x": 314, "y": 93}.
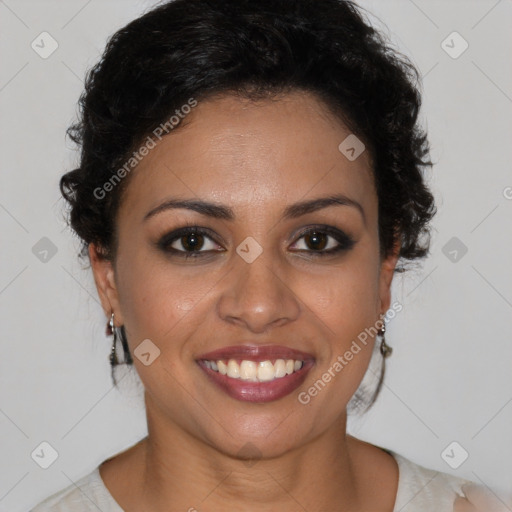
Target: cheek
{"x": 344, "y": 303}
{"x": 155, "y": 298}
{"x": 346, "y": 297}
{"x": 345, "y": 311}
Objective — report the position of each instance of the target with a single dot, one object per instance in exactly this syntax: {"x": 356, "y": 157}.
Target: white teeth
{"x": 280, "y": 367}
{"x": 263, "y": 371}
{"x": 266, "y": 371}
{"x": 223, "y": 369}
{"x": 248, "y": 370}
{"x": 233, "y": 369}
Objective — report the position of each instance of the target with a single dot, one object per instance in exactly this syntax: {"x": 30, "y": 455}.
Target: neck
{"x": 182, "y": 472}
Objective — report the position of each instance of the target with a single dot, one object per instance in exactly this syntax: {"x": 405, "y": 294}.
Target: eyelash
{"x": 345, "y": 242}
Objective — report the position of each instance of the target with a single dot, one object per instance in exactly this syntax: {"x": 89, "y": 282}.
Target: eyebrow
{"x": 293, "y": 211}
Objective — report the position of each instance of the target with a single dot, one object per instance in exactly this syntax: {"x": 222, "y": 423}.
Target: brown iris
{"x": 192, "y": 241}
{"x": 316, "y": 240}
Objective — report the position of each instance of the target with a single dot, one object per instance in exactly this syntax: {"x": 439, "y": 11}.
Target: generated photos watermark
{"x": 304, "y": 397}
{"x": 149, "y": 144}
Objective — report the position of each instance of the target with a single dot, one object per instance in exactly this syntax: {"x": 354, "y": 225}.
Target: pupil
{"x": 316, "y": 239}
{"x": 192, "y": 241}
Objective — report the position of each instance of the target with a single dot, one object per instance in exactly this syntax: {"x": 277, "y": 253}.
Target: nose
{"x": 257, "y": 297}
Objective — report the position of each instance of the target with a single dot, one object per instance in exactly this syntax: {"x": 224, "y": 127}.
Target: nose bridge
{"x": 256, "y": 294}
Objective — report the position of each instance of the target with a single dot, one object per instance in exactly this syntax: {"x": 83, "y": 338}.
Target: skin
{"x": 257, "y": 158}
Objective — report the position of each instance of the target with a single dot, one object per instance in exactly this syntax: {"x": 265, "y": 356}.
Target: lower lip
{"x": 259, "y": 391}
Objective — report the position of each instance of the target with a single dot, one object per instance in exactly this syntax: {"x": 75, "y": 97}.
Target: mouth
{"x": 256, "y": 373}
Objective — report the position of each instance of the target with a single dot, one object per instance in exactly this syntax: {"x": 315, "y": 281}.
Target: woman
{"x": 251, "y": 178}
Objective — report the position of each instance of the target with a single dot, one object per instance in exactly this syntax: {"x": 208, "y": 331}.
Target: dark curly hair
{"x": 257, "y": 49}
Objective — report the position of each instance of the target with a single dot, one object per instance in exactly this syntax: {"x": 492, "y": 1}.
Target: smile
{"x": 256, "y": 374}
{"x": 263, "y": 371}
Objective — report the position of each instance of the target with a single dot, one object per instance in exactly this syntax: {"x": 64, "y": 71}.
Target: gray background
{"x": 449, "y": 378}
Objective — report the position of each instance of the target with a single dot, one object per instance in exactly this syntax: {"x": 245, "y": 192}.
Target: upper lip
{"x": 256, "y": 353}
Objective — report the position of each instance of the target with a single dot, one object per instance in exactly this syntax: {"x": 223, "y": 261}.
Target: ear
{"x": 387, "y": 271}
{"x": 104, "y": 278}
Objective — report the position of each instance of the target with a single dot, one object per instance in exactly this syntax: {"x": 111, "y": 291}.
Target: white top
{"x": 419, "y": 489}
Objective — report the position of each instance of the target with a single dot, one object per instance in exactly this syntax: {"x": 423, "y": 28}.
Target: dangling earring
{"x": 111, "y": 331}
{"x": 385, "y": 349}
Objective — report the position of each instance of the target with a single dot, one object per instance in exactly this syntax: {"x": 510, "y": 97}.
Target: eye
{"x": 324, "y": 241}
{"x": 189, "y": 241}
{"x": 194, "y": 242}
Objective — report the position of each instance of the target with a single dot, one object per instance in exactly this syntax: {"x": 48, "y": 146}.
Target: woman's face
{"x": 254, "y": 279}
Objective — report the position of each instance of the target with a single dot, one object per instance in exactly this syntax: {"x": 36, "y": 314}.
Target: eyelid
{"x": 325, "y": 228}
{"x": 166, "y": 240}
{"x": 344, "y": 241}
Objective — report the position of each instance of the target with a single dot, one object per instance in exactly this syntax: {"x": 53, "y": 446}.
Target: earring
{"x": 385, "y": 349}
{"x": 111, "y": 331}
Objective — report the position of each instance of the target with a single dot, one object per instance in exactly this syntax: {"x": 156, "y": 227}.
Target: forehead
{"x": 242, "y": 152}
